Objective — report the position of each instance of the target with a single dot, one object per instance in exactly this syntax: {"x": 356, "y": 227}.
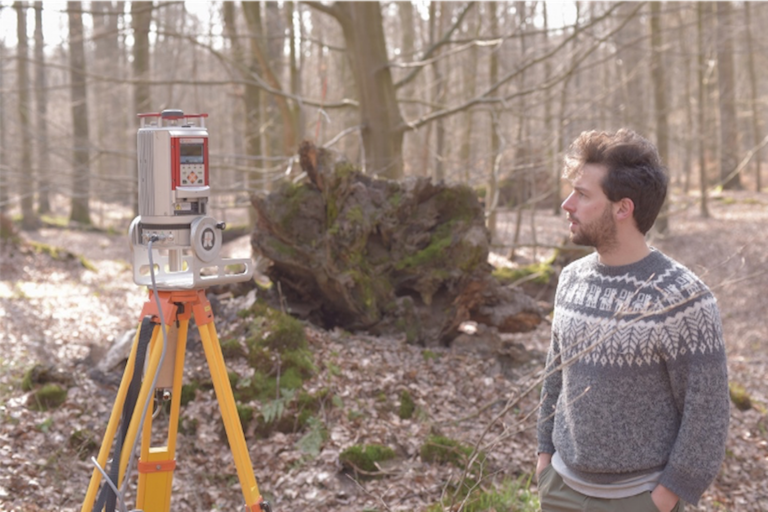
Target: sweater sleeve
{"x": 694, "y": 354}
{"x": 550, "y": 391}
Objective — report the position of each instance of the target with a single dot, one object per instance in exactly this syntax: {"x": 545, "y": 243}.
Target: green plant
{"x": 50, "y": 396}
{"x": 84, "y": 443}
{"x": 311, "y": 442}
{"x": 510, "y": 496}
{"x": 407, "y": 405}
{"x": 273, "y": 410}
{"x": 363, "y": 460}
{"x": 739, "y": 396}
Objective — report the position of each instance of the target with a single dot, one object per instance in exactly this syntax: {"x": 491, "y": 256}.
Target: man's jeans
{"x": 555, "y": 496}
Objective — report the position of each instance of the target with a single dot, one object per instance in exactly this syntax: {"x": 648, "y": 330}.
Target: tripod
{"x": 133, "y": 406}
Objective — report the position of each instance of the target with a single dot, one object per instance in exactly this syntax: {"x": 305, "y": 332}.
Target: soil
{"x": 58, "y": 312}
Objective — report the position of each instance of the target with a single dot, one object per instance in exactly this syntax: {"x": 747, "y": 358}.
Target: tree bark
{"x": 388, "y": 257}
{"x": 80, "y": 210}
{"x": 252, "y": 11}
{"x": 492, "y": 195}
{"x": 41, "y": 102}
{"x": 660, "y": 104}
{"x": 630, "y": 58}
{"x": 703, "y": 209}
{"x": 4, "y": 165}
{"x": 726, "y": 85}
{"x": 755, "y": 105}
{"x": 141, "y": 19}
{"x": 380, "y": 117}
{"x": 25, "y": 170}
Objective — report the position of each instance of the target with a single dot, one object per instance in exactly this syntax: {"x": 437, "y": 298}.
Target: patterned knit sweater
{"x": 636, "y": 375}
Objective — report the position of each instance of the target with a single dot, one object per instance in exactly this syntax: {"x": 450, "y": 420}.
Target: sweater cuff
{"x": 682, "y": 484}
{"x": 545, "y": 447}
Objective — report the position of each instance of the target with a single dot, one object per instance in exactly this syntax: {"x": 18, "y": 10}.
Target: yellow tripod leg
{"x": 114, "y": 421}
{"x": 157, "y": 464}
{"x": 155, "y": 356}
{"x": 229, "y": 414}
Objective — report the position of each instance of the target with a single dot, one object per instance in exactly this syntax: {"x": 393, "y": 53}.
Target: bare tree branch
{"x": 484, "y": 98}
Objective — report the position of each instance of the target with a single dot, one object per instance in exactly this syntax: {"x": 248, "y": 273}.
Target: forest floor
{"x": 57, "y": 311}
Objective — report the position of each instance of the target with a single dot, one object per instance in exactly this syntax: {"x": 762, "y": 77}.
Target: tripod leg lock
{"x": 261, "y": 506}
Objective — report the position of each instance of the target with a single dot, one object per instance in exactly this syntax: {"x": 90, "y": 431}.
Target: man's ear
{"x": 624, "y": 209}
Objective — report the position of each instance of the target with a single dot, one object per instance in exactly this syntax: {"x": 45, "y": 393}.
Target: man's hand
{"x": 545, "y": 459}
{"x": 664, "y": 499}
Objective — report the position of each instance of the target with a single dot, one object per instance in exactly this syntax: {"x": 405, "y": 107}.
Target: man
{"x": 634, "y": 408}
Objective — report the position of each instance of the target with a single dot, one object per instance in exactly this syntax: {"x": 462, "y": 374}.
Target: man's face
{"x": 589, "y": 211}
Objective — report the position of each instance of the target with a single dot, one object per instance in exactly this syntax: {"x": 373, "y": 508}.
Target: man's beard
{"x": 600, "y": 233}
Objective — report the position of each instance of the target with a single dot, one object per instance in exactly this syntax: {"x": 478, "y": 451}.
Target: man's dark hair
{"x": 634, "y": 170}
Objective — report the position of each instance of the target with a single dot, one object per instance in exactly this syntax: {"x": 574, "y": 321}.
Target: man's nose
{"x": 568, "y": 203}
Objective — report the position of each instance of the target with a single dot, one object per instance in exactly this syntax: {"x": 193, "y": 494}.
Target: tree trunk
{"x": 4, "y": 164}
{"x": 630, "y": 58}
{"x": 438, "y": 85}
{"x": 726, "y": 84}
{"x": 25, "y": 172}
{"x": 253, "y": 97}
{"x": 754, "y": 104}
{"x": 252, "y": 11}
{"x": 704, "y": 210}
{"x": 660, "y": 104}
{"x": 492, "y": 195}
{"x": 80, "y": 210}
{"x": 291, "y": 13}
{"x": 469, "y": 78}
{"x": 141, "y": 19}
{"x": 549, "y": 131}
{"x": 41, "y": 102}
{"x": 382, "y": 125}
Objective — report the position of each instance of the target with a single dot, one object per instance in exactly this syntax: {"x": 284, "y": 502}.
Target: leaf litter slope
{"x": 58, "y": 311}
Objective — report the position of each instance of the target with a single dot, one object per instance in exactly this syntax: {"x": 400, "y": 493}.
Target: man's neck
{"x": 626, "y": 252}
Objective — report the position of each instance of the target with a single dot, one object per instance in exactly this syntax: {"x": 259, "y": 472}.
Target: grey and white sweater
{"x": 636, "y": 375}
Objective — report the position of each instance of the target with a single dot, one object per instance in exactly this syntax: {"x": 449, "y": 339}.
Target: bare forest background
{"x": 484, "y": 93}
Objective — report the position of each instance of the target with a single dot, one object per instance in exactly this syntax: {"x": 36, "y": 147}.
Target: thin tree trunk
{"x": 630, "y": 55}
{"x": 702, "y": 111}
{"x": 470, "y": 87}
{"x": 294, "y": 70}
{"x": 252, "y": 11}
{"x": 726, "y": 84}
{"x": 41, "y": 102}
{"x": 141, "y": 19}
{"x": 550, "y": 132}
{"x": 493, "y": 77}
{"x": 438, "y": 89}
{"x": 660, "y": 104}
{"x": 4, "y": 194}
{"x": 756, "y": 132}
{"x": 80, "y": 211}
{"x": 25, "y": 173}
{"x": 382, "y": 124}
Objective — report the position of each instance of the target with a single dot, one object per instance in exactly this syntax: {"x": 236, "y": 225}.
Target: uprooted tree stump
{"x": 360, "y": 253}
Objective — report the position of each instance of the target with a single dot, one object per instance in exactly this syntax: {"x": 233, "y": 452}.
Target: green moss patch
{"x": 739, "y": 396}
{"x": 407, "y": 405}
{"x": 84, "y": 443}
{"x": 277, "y": 350}
{"x": 538, "y": 273}
{"x": 50, "y": 396}
{"x": 362, "y": 460}
{"x": 444, "y": 450}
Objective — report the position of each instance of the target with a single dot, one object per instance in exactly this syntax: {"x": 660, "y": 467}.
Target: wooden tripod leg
{"x": 229, "y": 414}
